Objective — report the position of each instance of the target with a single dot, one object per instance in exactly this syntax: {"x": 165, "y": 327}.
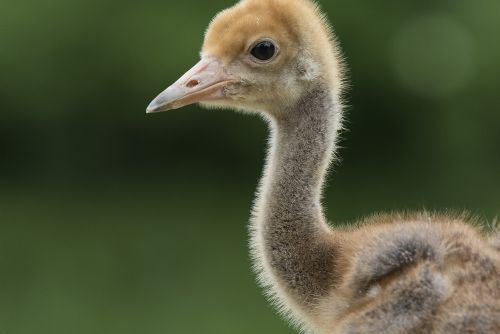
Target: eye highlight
{"x": 264, "y": 50}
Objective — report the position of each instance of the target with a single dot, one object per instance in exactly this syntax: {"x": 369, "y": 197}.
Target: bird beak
{"x": 204, "y": 82}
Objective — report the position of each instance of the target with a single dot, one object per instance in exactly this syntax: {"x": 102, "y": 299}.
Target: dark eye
{"x": 264, "y": 50}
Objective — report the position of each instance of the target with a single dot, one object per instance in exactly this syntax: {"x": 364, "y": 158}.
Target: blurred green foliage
{"x": 112, "y": 221}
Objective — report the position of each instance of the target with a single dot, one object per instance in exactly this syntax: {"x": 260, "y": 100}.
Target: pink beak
{"x": 204, "y": 82}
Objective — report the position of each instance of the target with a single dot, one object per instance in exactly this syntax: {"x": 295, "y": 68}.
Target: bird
{"x": 406, "y": 272}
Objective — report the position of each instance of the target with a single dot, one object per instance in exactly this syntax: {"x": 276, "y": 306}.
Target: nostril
{"x": 193, "y": 83}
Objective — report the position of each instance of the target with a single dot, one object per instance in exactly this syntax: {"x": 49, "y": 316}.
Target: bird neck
{"x": 302, "y": 143}
{"x": 289, "y": 228}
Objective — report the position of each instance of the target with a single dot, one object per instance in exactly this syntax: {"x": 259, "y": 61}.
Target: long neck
{"x": 291, "y": 242}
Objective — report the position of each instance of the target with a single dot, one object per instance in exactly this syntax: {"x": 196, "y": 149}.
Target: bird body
{"x": 397, "y": 273}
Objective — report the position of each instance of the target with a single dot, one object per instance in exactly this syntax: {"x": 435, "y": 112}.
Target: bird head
{"x": 259, "y": 55}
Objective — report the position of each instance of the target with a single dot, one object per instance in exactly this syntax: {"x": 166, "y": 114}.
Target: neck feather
{"x": 290, "y": 238}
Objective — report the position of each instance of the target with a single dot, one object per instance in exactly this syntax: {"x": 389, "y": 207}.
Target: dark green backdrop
{"x": 112, "y": 221}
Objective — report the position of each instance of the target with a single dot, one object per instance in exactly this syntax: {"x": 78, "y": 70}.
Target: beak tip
{"x": 154, "y": 108}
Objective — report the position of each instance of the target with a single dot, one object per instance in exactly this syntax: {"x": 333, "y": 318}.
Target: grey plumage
{"x": 395, "y": 273}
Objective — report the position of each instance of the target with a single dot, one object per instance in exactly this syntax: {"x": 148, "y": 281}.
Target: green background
{"x": 112, "y": 221}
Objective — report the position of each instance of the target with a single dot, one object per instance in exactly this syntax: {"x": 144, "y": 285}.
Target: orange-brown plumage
{"x": 295, "y": 24}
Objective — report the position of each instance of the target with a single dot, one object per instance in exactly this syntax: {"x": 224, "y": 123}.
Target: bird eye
{"x": 264, "y": 50}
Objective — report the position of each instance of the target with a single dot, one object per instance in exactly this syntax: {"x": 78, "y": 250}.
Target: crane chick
{"x": 395, "y": 273}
